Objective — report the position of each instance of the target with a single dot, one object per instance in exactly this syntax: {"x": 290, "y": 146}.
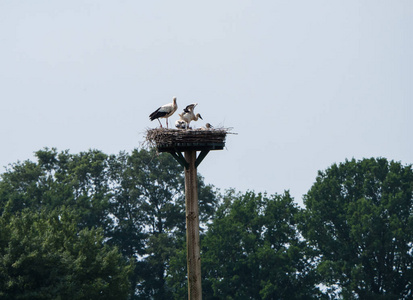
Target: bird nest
{"x": 167, "y": 140}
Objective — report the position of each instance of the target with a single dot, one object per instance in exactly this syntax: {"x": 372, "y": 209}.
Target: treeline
{"x": 97, "y": 226}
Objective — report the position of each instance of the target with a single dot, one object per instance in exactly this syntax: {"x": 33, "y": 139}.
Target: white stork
{"x": 188, "y": 115}
{"x": 165, "y": 111}
{"x": 207, "y": 127}
{"x": 180, "y": 124}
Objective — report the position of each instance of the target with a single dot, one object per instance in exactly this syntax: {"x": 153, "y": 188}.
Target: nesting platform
{"x": 176, "y": 141}
{"x": 167, "y": 140}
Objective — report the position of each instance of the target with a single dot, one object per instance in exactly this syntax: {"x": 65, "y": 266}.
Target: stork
{"x": 180, "y": 124}
{"x": 165, "y": 111}
{"x": 207, "y": 127}
{"x": 188, "y": 115}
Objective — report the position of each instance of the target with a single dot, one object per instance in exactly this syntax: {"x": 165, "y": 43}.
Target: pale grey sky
{"x": 304, "y": 83}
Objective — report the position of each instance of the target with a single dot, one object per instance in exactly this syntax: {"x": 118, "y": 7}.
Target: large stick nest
{"x": 163, "y": 138}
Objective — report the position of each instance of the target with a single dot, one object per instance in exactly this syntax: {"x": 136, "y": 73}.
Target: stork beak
{"x": 200, "y": 117}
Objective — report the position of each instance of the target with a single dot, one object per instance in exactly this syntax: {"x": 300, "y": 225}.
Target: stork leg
{"x": 167, "y": 123}
{"x": 160, "y": 123}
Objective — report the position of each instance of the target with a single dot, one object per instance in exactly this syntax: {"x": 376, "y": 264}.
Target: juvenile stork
{"x": 180, "y": 124}
{"x": 207, "y": 127}
{"x": 165, "y": 111}
{"x": 188, "y": 115}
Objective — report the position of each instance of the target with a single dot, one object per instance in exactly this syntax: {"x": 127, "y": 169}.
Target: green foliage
{"x": 77, "y": 181}
{"x": 136, "y": 199}
{"x": 360, "y": 217}
{"x": 64, "y": 217}
{"x": 44, "y": 256}
{"x": 252, "y": 251}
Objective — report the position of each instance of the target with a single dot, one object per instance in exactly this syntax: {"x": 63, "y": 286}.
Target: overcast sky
{"x": 305, "y": 84}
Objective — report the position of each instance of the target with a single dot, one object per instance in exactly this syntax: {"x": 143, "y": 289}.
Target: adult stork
{"x": 188, "y": 115}
{"x": 165, "y": 111}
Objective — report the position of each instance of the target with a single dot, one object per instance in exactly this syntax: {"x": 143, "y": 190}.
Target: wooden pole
{"x": 192, "y": 228}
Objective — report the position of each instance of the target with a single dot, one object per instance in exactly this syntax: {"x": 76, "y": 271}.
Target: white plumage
{"x": 180, "y": 124}
{"x": 165, "y": 111}
{"x": 207, "y": 127}
{"x": 188, "y": 115}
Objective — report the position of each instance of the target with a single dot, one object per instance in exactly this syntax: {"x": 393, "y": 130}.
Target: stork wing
{"x": 190, "y": 107}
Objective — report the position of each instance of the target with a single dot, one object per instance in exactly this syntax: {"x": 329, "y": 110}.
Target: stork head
{"x": 180, "y": 124}
{"x": 199, "y": 116}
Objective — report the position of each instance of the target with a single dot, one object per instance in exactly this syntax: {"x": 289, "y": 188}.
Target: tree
{"x": 74, "y": 180}
{"x": 360, "y": 217}
{"x": 137, "y": 200}
{"x": 43, "y": 255}
{"x": 252, "y": 251}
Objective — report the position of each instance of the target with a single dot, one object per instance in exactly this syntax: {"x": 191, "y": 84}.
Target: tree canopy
{"x": 45, "y": 256}
{"x": 359, "y": 215}
{"x": 136, "y": 201}
{"x": 252, "y": 250}
{"x": 98, "y": 226}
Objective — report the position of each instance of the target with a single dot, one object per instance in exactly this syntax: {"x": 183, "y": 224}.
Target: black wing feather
{"x": 157, "y": 114}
